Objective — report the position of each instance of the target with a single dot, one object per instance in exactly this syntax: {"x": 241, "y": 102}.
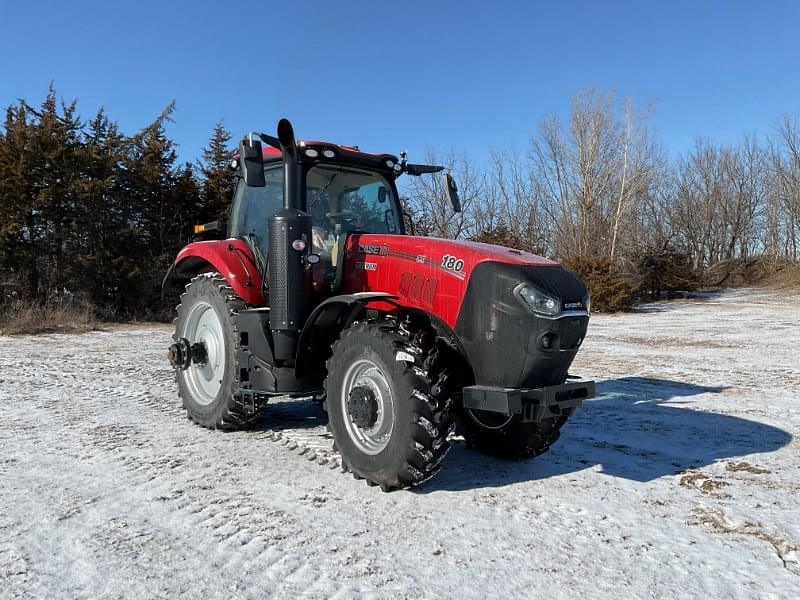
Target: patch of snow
{"x": 680, "y": 479}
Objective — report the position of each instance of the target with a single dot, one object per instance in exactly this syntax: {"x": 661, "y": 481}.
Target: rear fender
{"x": 232, "y": 258}
{"x": 323, "y": 327}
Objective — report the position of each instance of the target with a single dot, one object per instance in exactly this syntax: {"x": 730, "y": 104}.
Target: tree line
{"x": 90, "y": 213}
{"x": 94, "y": 215}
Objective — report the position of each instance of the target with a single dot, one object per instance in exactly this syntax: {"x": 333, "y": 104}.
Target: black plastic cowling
{"x": 506, "y": 344}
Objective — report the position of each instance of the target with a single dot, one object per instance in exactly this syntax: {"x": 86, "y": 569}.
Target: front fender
{"x": 232, "y": 258}
{"x": 324, "y": 324}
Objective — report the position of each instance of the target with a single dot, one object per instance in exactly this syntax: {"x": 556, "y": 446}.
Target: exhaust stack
{"x": 289, "y": 241}
{"x": 293, "y": 190}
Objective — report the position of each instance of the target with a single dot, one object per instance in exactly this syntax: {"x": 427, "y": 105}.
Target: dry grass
{"x": 785, "y": 276}
{"x": 717, "y": 521}
{"x": 20, "y": 318}
{"x": 747, "y": 467}
{"x": 704, "y": 483}
{"x": 775, "y": 273}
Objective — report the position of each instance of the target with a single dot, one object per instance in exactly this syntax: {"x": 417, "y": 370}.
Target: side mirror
{"x": 252, "y": 163}
{"x": 381, "y": 194}
{"x": 452, "y": 191}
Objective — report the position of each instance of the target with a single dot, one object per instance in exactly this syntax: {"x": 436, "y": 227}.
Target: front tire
{"x": 508, "y": 437}
{"x": 388, "y": 409}
{"x": 207, "y": 317}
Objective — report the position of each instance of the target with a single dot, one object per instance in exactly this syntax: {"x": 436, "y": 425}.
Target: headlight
{"x": 536, "y": 301}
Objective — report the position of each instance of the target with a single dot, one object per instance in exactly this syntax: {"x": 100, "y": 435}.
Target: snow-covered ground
{"x": 681, "y": 479}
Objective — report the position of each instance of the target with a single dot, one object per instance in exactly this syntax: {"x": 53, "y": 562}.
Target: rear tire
{"x": 508, "y": 437}
{"x": 207, "y": 314}
{"x": 388, "y": 407}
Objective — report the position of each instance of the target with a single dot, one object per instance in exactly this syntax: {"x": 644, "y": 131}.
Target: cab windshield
{"x": 342, "y": 199}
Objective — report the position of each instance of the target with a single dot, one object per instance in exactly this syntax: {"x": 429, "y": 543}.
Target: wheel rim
{"x": 365, "y": 373}
{"x": 489, "y": 420}
{"x": 203, "y": 326}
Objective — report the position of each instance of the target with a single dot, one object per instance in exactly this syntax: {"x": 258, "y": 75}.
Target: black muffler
{"x": 289, "y": 239}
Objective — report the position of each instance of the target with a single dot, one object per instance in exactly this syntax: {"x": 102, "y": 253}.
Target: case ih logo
{"x": 573, "y": 305}
{"x": 373, "y": 249}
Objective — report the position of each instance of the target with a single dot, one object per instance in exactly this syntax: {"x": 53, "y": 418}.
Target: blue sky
{"x": 385, "y": 76}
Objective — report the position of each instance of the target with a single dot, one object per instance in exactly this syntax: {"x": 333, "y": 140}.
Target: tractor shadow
{"x": 636, "y": 429}
{"x": 285, "y": 413}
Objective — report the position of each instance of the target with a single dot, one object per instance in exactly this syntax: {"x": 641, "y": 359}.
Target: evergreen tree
{"x": 218, "y": 179}
{"x": 17, "y": 232}
{"x": 188, "y": 206}
{"x": 86, "y": 210}
{"x": 105, "y": 213}
{"x": 151, "y": 172}
{"x": 55, "y": 147}
{"x": 39, "y": 169}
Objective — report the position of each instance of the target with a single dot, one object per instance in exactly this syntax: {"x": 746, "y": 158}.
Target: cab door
{"x": 253, "y": 206}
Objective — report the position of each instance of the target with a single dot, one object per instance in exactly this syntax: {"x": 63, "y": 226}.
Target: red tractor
{"x": 318, "y": 291}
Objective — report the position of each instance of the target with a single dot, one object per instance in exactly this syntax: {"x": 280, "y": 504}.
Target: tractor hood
{"x": 432, "y": 274}
{"x": 519, "y": 317}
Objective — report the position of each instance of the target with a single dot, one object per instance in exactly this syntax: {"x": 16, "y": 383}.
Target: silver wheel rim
{"x": 374, "y": 439}
{"x": 205, "y": 380}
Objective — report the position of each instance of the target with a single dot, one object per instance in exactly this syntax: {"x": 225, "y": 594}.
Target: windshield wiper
{"x": 322, "y": 191}
{"x": 330, "y": 181}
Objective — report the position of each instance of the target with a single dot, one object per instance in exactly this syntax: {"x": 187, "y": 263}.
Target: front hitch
{"x": 530, "y": 404}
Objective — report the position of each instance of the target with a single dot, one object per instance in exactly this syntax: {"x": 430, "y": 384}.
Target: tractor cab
{"x": 341, "y": 197}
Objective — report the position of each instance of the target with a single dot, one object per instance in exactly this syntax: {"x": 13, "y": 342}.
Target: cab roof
{"x": 354, "y": 152}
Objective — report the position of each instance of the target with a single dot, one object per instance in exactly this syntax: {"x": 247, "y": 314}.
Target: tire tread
{"x": 429, "y": 400}
{"x": 232, "y": 415}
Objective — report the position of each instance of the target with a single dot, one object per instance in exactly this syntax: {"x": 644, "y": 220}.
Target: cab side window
{"x": 252, "y": 206}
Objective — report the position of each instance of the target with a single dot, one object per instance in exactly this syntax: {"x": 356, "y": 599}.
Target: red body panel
{"x": 233, "y": 259}
{"x": 426, "y": 273}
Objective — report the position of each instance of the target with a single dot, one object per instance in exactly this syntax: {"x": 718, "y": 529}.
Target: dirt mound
{"x": 777, "y": 273}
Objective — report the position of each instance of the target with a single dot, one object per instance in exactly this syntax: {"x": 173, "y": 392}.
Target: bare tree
{"x": 514, "y": 202}
{"x": 592, "y": 174}
{"x": 723, "y": 193}
{"x": 744, "y": 209}
{"x": 430, "y": 203}
{"x": 785, "y": 158}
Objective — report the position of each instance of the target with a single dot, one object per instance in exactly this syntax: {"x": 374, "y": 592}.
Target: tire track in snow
{"x": 98, "y": 400}
{"x": 300, "y": 426}
{"x": 240, "y": 530}
{"x": 100, "y": 409}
